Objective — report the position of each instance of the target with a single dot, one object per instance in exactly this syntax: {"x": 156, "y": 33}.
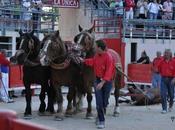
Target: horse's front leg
{"x": 59, "y": 98}
{"x": 42, "y": 98}
{"x": 70, "y": 96}
{"x": 89, "y": 114}
{"x": 28, "y": 96}
{"x": 50, "y": 94}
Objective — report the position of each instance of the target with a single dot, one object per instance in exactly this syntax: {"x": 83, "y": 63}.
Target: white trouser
{"x": 129, "y": 14}
{"x": 4, "y": 86}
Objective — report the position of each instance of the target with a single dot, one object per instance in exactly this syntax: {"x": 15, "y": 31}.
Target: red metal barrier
{"x": 23, "y": 125}
{"x": 9, "y": 121}
{"x": 140, "y": 73}
{"x": 6, "y": 116}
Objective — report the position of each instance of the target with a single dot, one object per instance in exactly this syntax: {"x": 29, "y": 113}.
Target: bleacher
{"x": 140, "y": 28}
{"x": 47, "y": 22}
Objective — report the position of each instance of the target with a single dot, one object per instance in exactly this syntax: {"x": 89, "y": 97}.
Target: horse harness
{"x": 73, "y": 54}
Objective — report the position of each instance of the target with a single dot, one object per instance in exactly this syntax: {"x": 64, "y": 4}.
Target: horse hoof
{"x": 89, "y": 116}
{"x": 116, "y": 114}
{"x": 68, "y": 114}
{"x": 27, "y": 117}
{"x": 49, "y": 113}
{"x": 58, "y": 118}
{"x": 41, "y": 113}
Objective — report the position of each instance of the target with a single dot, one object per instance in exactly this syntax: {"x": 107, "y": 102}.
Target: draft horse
{"x": 27, "y": 54}
{"x": 64, "y": 71}
{"x": 86, "y": 40}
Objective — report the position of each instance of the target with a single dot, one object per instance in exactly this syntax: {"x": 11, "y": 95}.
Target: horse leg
{"x": 50, "y": 94}
{"x": 70, "y": 96}
{"x": 117, "y": 84}
{"x": 89, "y": 114}
{"x": 42, "y": 98}
{"x": 28, "y": 111}
{"x": 59, "y": 99}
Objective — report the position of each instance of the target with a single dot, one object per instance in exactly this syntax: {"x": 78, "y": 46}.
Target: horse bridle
{"x": 85, "y": 34}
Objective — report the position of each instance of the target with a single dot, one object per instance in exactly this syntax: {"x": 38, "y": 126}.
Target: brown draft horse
{"x": 28, "y": 48}
{"x": 64, "y": 71}
{"x": 86, "y": 40}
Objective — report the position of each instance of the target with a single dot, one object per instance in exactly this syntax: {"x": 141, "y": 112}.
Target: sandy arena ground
{"x": 131, "y": 117}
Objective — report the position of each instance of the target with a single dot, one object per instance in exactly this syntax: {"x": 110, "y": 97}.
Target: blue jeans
{"x": 156, "y": 80}
{"x": 166, "y": 88}
{"x": 102, "y": 96}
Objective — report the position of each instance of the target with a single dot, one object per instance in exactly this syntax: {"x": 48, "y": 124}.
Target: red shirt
{"x": 3, "y": 60}
{"x": 167, "y": 68}
{"x": 156, "y": 63}
{"x": 103, "y": 65}
{"x": 129, "y": 4}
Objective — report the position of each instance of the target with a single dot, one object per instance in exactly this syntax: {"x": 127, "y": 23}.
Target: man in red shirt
{"x": 156, "y": 78}
{"x": 167, "y": 71}
{"x": 104, "y": 68}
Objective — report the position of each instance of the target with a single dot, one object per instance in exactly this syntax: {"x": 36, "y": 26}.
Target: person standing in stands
{"x": 4, "y": 82}
{"x": 104, "y": 68}
{"x": 156, "y": 78}
{"x": 129, "y": 8}
{"x": 36, "y": 13}
{"x": 167, "y": 71}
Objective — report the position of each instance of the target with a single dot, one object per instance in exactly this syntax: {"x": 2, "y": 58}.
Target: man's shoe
{"x": 101, "y": 125}
{"x": 163, "y": 111}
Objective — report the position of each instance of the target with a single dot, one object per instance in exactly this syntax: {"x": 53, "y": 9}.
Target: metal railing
{"x": 14, "y": 19}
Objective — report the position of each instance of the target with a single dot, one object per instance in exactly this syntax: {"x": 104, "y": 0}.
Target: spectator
{"x": 27, "y": 14}
{"x": 104, "y": 67}
{"x": 142, "y": 8}
{"x": 156, "y": 78}
{"x": 4, "y": 86}
{"x": 17, "y": 9}
{"x": 36, "y": 12}
{"x": 129, "y": 9}
{"x": 173, "y": 1}
{"x": 153, "y": 9}
{"x": 144, "y": 59}
{"x": 119, "y": 8}
{"x": 168, "y": 10}
{"x": 167, "y": 72}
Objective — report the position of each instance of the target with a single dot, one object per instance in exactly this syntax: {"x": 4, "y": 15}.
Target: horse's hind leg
{"x": 28, "y": 111}
{"x": 117, "y": 84}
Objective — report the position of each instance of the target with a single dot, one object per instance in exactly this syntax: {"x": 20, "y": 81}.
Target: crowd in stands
{"x": 26, "y": 10}
{"x": 143, "y": 9}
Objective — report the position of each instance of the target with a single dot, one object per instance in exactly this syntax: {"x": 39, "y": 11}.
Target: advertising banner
{"x": 62, "y": 3}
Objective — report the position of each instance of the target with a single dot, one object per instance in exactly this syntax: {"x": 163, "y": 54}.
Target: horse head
{"x": 85, "y": 39}
{"x": 28, "y": 47}
{"x": 53, "y": 49}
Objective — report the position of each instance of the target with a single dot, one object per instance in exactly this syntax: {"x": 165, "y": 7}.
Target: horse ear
{"x": 91, "y": 29}
{"x": 80, "y": 28}
{"x": 20, "y": 32}
{"x": 57, "y": 33}
{"x": 32, "y": 32}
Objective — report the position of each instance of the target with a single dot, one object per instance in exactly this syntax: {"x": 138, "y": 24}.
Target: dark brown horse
{"x": 64, "y": 71}
{"x": 86, "y": 40}
{"x": 28, "y": 48}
